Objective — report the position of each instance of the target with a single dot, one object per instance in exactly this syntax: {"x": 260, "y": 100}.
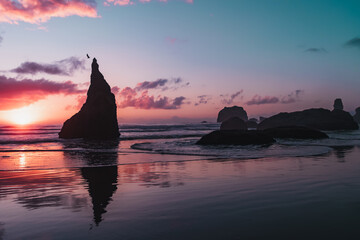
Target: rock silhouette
{"x": 102, "y": 184}
{"x": 235, "y": 137}
{"x": 321, "y": 119}
{"x": 295, "y": 132}
{"x": 233, "y": 123}
{"x": 252, "y": 123}
{"x": 97, "y": 117}
{"x": 229, "y": 112}
{"x": 338, "y": 105}
{"x": 357, "y": 115}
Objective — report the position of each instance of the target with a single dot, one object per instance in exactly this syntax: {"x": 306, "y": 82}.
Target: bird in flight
{"x": 87, "y": 55}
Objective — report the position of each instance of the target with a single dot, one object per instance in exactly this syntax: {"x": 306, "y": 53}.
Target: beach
{"x": 113, "y": 191}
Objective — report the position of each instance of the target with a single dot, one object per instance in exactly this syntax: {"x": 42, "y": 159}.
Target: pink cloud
{"x": 19, "y": 93}
{"x": 129, "y": 97}
{"x": 37, "y": 11}
{"x": 131, "y": 2}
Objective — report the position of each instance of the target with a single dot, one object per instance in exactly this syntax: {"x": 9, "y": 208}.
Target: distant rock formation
{"x": 338, "y": 105}
{"x": 233, "y": 123}
{"x": 295, "y": 132}
{"x": 321, "y": 119}
{"x": 262, "y": 119}
{"x": 97, "y": 118}
{"x": 253, "y": 120}
{"x": 236, "y": 137}
{"x": 252, "y": 123}
{"x": 357, "y": 115}
{"x": 229, "y": 112}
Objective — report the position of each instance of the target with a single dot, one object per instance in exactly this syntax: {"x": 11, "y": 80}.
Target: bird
{"x": 87, "y": 55}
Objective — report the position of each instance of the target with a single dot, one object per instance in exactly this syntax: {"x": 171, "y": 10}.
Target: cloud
{"x": 130, "y": 98}
{"x": 151, "y": 85}
{"x": 64, "y": 67}
{"x": 1, "y": 39}
{"x": 203, "y": 99}
{"x": 292, "y": 97}
{"x": 132, "y": 2}
{"x": 173, "y": 40}
{"x": 19, "y": 93}
{"x": 139, "y": 97}
{"x": 258, "y": 100}
{"x": 355, "y": 42}
{"x": 161, "y": 84}
{"x": 316, "y": 50}
{"x": 229, "y": 100}
{"x": 37, "y": 11}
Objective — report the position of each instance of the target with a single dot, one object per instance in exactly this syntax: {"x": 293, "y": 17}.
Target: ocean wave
{"x": 188, "y": 147}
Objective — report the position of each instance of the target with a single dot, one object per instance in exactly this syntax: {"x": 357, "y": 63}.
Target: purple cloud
{"x": 355, "y": 42}
{"x": 202, "y": 99}
{"x": 64, "y": 67}
{"x": 229, "y": 100}
{"x": 258, "y": 100}
{"x": 292, "y": 97}
{"x": 316, "y": 50}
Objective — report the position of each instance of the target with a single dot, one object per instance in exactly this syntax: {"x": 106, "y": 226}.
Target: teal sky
{"x": 264, "y": 49}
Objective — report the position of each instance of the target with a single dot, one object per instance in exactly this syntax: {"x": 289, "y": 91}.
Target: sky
{"x": 177, "y": 60}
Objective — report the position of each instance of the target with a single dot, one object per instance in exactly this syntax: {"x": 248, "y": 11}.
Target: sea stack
{"x": 97, "y": 117}
{"x": 338, "y": 105}
{"x": 357, "y": 115}
{"x": 229, "y": 112}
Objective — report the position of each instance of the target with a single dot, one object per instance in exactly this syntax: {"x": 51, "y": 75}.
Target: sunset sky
{"x": 177, "y": 60}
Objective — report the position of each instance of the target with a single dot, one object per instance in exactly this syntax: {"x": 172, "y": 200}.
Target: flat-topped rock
{"x": 295, "y": 132}
{"x": 236, "y": 137}
{"x": 321, "y": 119}
{"x": 97, "y": 118}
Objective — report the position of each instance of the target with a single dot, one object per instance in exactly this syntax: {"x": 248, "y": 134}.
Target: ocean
{"x": 156, "y": 183}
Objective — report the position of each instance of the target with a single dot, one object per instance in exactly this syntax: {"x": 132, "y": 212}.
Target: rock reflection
{"x": 341, "y": 152}
{"x": 2, "y": 230}
{"x": 102, "y": 184}
{"x": 101, "y": 175}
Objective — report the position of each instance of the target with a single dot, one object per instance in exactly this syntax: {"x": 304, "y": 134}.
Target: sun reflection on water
{"x": 22, "y": 160}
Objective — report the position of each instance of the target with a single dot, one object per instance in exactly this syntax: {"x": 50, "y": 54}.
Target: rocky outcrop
{"x": 252, "y": 123}
{"x": 295, "y": 132}
{"x": 321, "y": 119}
{"x": 262, "y": 119}
{"x": 97, "y": 118}
{"x": 357, "y": 115}
{"x": 233, "y": 123}
{"x": 236, "y": 137}
{"x": 229, "y": 112}
{"x": 338, "y": 105}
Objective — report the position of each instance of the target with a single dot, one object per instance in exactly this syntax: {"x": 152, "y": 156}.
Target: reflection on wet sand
{"x": 2, "y": 231}
{"x": 102, "y": 184}
{"x": 341, "y": 152}
{"x": 43, "y": 188}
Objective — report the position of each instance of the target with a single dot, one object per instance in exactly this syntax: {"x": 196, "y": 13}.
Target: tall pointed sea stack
{"x": 97, "y": 117}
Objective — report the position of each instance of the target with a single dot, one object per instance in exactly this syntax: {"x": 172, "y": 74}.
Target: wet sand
{"x": 269, "y": 198}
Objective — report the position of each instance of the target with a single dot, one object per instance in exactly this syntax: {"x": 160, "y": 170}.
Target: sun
{"x": 22, "y": 116}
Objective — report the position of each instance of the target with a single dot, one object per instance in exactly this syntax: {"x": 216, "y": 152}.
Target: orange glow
{"x": 22, "y": 116}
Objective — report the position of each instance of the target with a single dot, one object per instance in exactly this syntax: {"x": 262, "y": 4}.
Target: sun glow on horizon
{"x": 22, "y": 116}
